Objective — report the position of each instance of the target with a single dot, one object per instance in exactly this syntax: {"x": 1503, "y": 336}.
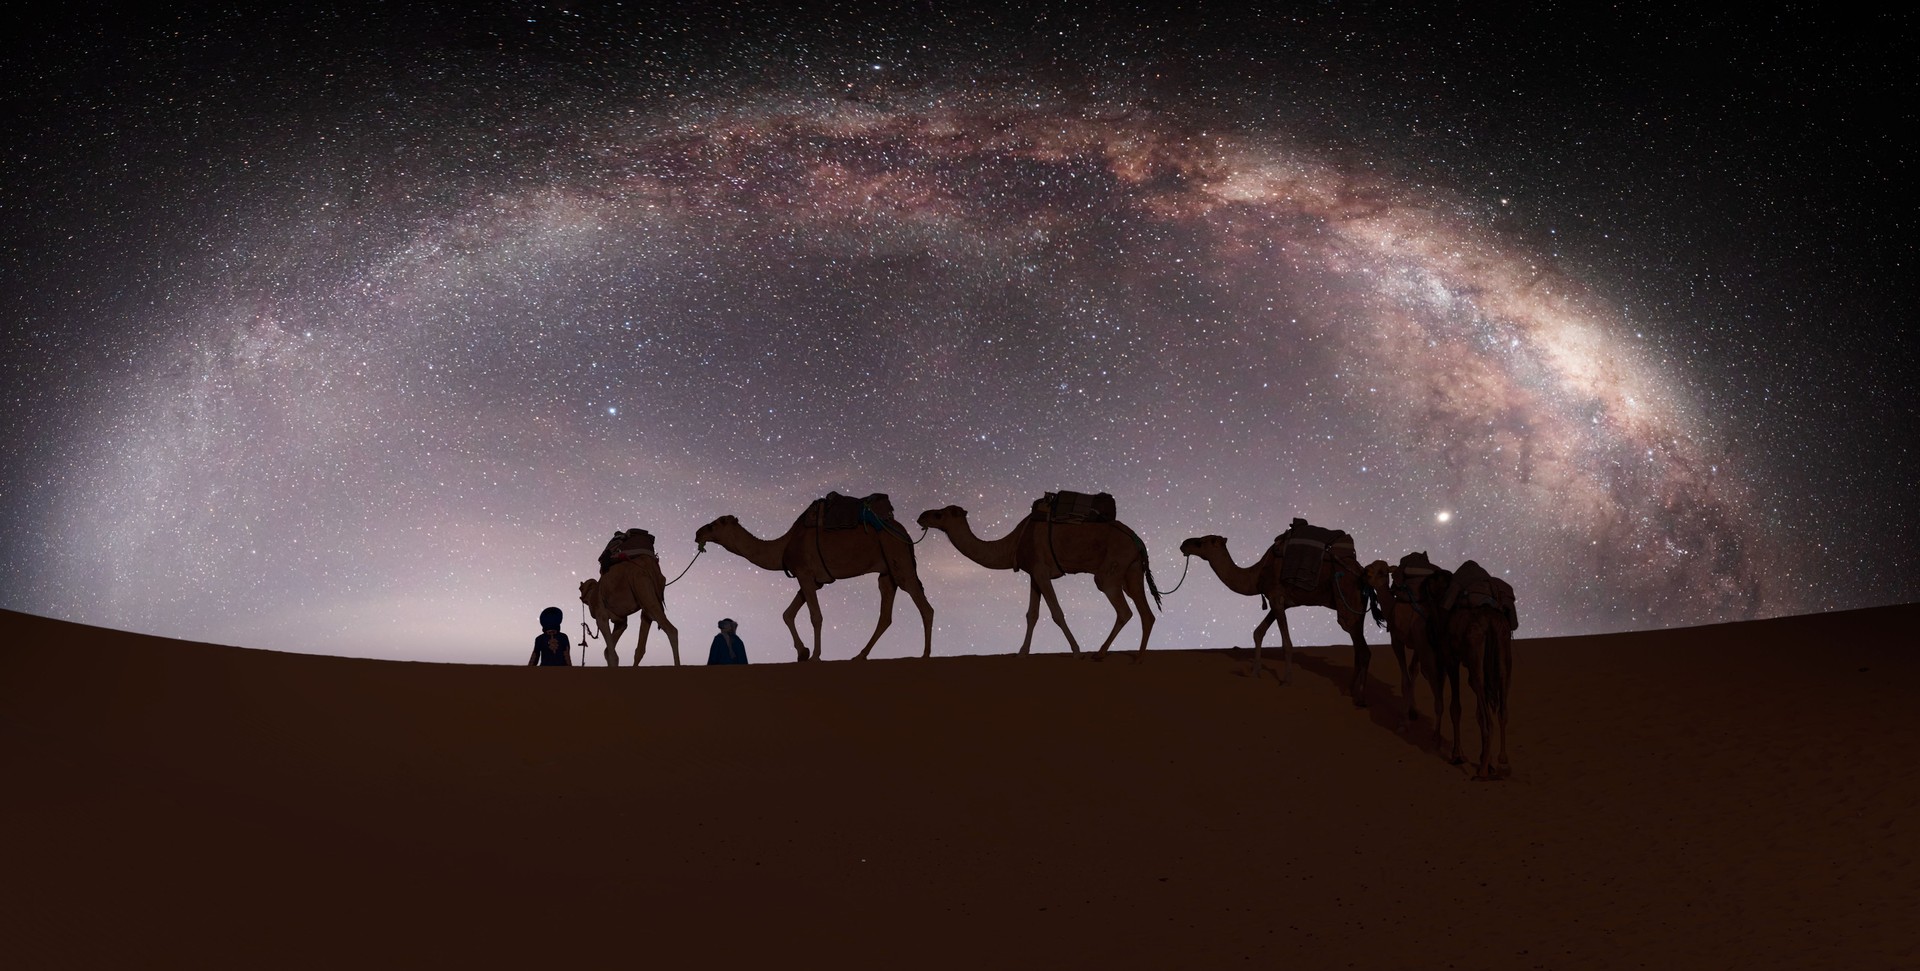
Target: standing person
{"x": 551, "y": 649}
{"x": 727, "y": 648}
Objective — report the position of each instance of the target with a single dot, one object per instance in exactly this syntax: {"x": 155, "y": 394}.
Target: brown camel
{"x": 632, "y": 586}
{"x": 1407, "y": 611}
{"x": 1479, "y": 636}
{"x": 1340, "y": 586}
{"x": 816, "y": 557}
{"x": 1047, "y": 551}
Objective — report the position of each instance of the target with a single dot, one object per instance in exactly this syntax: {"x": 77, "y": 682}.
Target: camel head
{"x": 1379, "y": 575}
{"x": 709, "y": 533}
{"x": 587, "y": 587}
{"x": 940, "y": 518}
{"x": 1203, "y": 546}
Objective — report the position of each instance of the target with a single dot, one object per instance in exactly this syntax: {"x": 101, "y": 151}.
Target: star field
{"x": 341, "y": 339}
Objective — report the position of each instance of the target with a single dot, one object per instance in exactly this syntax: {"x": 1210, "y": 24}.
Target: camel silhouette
{"x": 1410, "y": 605}
{"x": 1046, "y": 551}
{"x": 1339, "y": 586}
{"x": 815, "y": 557}
{"x": 629, "y": 587}
{"x": 1479, "y": 636}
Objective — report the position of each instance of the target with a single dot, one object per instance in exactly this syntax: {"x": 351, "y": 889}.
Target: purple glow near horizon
{"x": 394, "y": 398}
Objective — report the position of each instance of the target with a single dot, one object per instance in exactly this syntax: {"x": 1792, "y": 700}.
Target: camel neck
{"x": 994, "y": 554}
{"x": 1240, "y": 579}
{"x": 766, "y": 554}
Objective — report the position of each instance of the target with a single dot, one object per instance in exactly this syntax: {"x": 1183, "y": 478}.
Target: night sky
{"x": 359, "y": 334}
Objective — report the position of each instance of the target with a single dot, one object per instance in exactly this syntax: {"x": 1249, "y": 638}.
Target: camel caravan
{"x": 1438, "y": 622}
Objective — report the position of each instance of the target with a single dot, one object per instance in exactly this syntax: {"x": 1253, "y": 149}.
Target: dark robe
{"x": 551, "y": 650}
{"x": 727, "y": 649}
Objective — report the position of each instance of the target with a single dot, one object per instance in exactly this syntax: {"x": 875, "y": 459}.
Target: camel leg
{"x": 652, "y": 608}
{"x": 1506, "y": 697}
{"x": 887, "y": 588}
{"x": 1259, "y": 634}
{"x": 812, "y": 595}
{"x": 1121, "y": 614}
{"x": 640, "y": 646}
{"x": 919, "y": 595}
{"x": 1279, "y": 617}
{"x": 1504, "y": 645}
{"x": 1137, "y": 589}
{"x": 673, "y": 637}
{"x": 1033, "y": 614}
{"x": 1429, "y": 659}
{"x": 1053, "y": 608}
{"x": 1453, "y": 685}
{"x": 1362, "y": 659}
{"x": 611, "y": 634}
{"x": 792, "y": 611}
{"x": 1399, "y": 645}
{"x": 1476, "y": 661}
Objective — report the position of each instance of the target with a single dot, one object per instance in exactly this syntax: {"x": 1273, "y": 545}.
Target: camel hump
{"x": 1067, "y": 506}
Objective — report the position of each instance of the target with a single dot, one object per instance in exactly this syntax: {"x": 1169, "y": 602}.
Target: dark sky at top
{"x": 358, "y": 332}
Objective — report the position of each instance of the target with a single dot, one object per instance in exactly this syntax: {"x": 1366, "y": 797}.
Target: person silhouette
{"x": 727, "y": 647}
{"x": 551, "y": 649}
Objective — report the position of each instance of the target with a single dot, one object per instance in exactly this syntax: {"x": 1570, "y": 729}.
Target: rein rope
{"x": 696, "y": 557}
{"x": 1183, "y": 575}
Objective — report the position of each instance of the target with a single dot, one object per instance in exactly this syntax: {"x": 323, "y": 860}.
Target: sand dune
{"x": 1730, "y": 796}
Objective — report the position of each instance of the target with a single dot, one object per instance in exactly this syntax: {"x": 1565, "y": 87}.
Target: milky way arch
{"x": 416, "y": 418}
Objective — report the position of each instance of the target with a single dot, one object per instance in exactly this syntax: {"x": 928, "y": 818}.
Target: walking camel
{"x": 629, "y": 587}
{"x": 1479, "y": 636}
{"x": 1046, "y": 551}
{"x": 1340, "y": 586}
{"x": 1410, "y": 605}
{"x": 816, "y": 557}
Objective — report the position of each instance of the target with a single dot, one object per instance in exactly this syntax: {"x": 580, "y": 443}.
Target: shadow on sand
{"x": 1385, "y": 706}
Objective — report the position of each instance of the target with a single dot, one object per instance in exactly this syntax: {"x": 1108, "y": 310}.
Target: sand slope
{"x": 1732, "y": 796}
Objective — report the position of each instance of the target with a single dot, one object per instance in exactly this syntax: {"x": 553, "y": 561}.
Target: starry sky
{"x": 359, "y": 333}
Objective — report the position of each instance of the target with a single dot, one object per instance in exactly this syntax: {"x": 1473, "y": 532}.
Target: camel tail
{"x": 1373, "y": 604}
{"x": 1153, "y": 588}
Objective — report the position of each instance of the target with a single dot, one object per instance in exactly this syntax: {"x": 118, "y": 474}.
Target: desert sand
{"x": 1736, "y": 796}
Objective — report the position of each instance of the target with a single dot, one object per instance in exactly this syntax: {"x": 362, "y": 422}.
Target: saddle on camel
{"x": 1473, "y": 586}
{"x": 834, "y": 511}
{"x": 1066, "y": 506}
{"x": 1304, "y": 546}
{"x": 628, "y": 544}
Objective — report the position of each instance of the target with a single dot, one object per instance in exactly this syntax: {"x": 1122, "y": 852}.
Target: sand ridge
{"x": 1722, "y": 796}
